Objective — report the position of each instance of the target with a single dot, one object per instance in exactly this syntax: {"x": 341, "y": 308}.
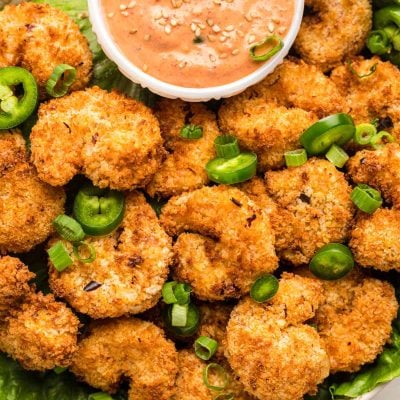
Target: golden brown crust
{"x": 184, "y": 168}
{"x": 114, "y": 140}
{"x": 321, "y": 42}
{"x": 131, "y": 264}
{"x": 230, "y": 244}
{"x": 27, "y": 205}
{"x": 41, "y": 334}
{"x": 39, "y": 37}
{"x": 314, "y": 208}
{"x": 131, "y": 348}
{"x": 259, "y": 334}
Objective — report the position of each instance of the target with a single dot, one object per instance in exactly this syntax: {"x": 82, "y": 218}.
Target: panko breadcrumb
{"x": 128, "y": 348}
{"x": 114, "y": 140}
{"x": 14, "y": 283}
{"x": 41, "y": 334}
{"x": 39, "y": 37}
{"x": 314, "y": 208}
{"x": 276, "y": 355}
{"x": 375, "y": 240}
{"x": 184, "y": 167}
{"x": 379, "y": 168}
{"x": 27, "y": 205}
{"x": 131, "y": 265}
{"x": 229, "y": 246}
{"x": 322, "y": 41}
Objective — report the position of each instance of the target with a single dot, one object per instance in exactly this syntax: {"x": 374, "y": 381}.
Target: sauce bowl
{"x": 137, "y": 75}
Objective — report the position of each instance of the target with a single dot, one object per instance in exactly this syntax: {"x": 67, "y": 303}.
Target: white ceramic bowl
{"x": 164, "y": 89}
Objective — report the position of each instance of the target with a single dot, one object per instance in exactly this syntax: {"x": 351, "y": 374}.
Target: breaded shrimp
{"x": 184, "y": 168}
{"x": 27, "y": 205}
{"x": 276, "y": 355}
{"x": 14, "y": 283}
{"x": 131, "y": 266}
{"x": 380, "y": 169}
{"x": 375, "y": 240}
{"x": 128, "y": 348}
{"x": 333, "y": 31}
{"x": 229, "y": 246}
{"x": 114, "y": 140}
{"x": 314, "y": 208}
{"x": 355, "y": 321}
{"x": 41, "y": 334}
{"x": 39, "y": 37}
{"x": 270, "y": 117}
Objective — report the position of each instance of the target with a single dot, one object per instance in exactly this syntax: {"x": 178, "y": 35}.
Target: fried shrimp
{"x": 14, "y": 283}
{"x": 229, "y": 246}
{"x": 27, "y": 205}
{"x": 184, "y": 168}
{"x": 113, "y": 140}
{"x": 314, "y": 208}
{"x": 131, "y": 266}
{"x": 128, "y": 348}
{"x": 275, "y": 354}
{"x": 355, "y": 321}
{"x": 41, "y": 334}
{"x": 379, "y": 168}
{"x": 39, "y": 37}
{"x": 319, "y": 40}
{"x": 375, "y": 240}
{"x": 270, "y": 117}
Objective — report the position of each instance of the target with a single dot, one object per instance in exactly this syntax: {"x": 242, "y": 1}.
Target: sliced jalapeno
{"x": 335, "y": 129}
{"x": 99, "y": 211}
{"x": 16, "y": 107}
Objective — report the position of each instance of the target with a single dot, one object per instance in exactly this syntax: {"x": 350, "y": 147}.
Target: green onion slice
{"x": 364, "y": 133}
{"x": 60, "y": 80}
{"x": 354, "y": 72}
{"x": 205, "y": 347}
{"x": 179, "y": 315}
{"x": 182, "y": 293}
{"x": 225, "y": 396}
{"x": 168, "y": 292}
{"x": 59, "y": 370}
{"x": 332, "y": 261}
{"x": 191, "y": 131}
{"x": 234, "y": 170}
{"x": 192, "y": 324}
{"x": 380, "y": 139}
{"x": 335, "y": 129}
{"x": 378, "y": 42}
{"x": 264, "y": 288}
{"x": 266, "y": 49}
{"x": 295, "y": 158}
{"x": 337, "y": 156}
{"x": 100, "y": 396}
{"x": 59, "y": 256}
{"x": 366, "y": 198}
{"x": 68, "y": 228}
{"x": 219, "y": 374}
{"x": 88, "y": 247}
{"x": 226, "y": 146}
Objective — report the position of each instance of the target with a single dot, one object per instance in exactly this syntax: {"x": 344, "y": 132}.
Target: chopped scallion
{"x": 380, "y": 139}
{"x": 168, "y": 292}
{"x": 60, "y": 80}
{"x": 59, "y": 257}
{"x": 215, "y": 369}
{"x": 68, "y": 228}
{"x": 205, "y": 347}
{"x": 364, "y": 133}
{"x": 179, "y": 315}
{"x": 226, "y": 146}
{"x": 366, "y": 198}
{"x": 295, "y": 158}
{"x": 191, "y": 131}
{"x": 87, "y": 246}
{"x": 100, "y": 396}
{"x": 337, "y": 156}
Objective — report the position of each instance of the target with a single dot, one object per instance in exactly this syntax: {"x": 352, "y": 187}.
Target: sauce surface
{"x": 195, "y": 43}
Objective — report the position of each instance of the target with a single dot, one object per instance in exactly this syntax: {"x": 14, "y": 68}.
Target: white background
{"x": 392, "y": 392}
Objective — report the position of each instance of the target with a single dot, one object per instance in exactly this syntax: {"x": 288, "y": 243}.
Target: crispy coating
{"x": 131, "y": 348}
{"x": 314, "y": 208}
{"x": 355, "y": 321}
{"x": 14, "y": 283}
{"x": 380, "y": 169}
{"x": 131, "y": 265}
{"x": 269, "y": 346}
{"x": 190, "y": 384}
{"x": 229, "y": 245}
{"x": 41, "y": 334}
{"x": 114, "y": 140}
{"x": 39, "y": 37}
{"x": 270, "y": 117}
{"x": 184, "y": 168}
{"x": 322, "y": 42}
{"x": 27, "y": 205}
{"x": 375, "y": 240}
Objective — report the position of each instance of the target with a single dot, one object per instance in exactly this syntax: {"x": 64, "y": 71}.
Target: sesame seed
{"x": 222, "y": 39}
{"x": 162, "y": 22}
{"x": 158, "y": 15}
{"x": 164, "y": 13}
{"x": 110, "y": 15}
{"x": 271, "y": 26}
{"x": 132, "y": 4}
{"x": 125, "y": 13}
{"x": 216, "y": 28}
{"x": 193, "y": 27}
{"x": 251, "y": 39}
{"x": 211, "y": 38}
{"x": 210, "y": 22}
{"x": 197, "y": 32}
{"x": 235, "y": 52}
{"x": 223, "y": 55}
{"x": 147, "y": 37}
{"x": 182, "y": 64}
{"x": 168, "y": 29}
{"x": 133, "y": 31}
{"x": 123, "y": 7}
{"x": 248, "y": 17}
{"x": 229, "y": 28}
{"x": 145, "y": 67}
{"x": 173, "y": 22}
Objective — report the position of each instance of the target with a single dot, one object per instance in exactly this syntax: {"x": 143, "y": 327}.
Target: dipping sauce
{"x": 195, "y": 43}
